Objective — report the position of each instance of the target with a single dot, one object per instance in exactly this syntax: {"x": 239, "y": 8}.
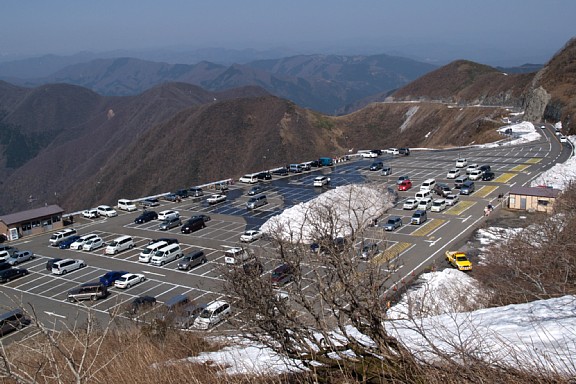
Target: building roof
{"x": 31, "y": 214}
{"x": 535, "y": 191}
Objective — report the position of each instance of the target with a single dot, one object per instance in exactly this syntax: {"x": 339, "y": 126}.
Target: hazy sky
{"x": 513, "y": 29}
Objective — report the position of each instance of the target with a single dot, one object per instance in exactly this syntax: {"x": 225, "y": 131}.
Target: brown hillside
{"x": 466, "y": 82}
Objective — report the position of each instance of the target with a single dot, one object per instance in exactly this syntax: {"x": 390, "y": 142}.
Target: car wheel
{"x": 161, "y": 263}
{"x": 82, "y": 265}
{"x": 131, "y": 246}
{"x": 127, "y": 285}
{"x": 203, "y": 261}
{"x": 64, "y": 272}
{"x": 142, "y": 279}
{"x": 93, "y": 297}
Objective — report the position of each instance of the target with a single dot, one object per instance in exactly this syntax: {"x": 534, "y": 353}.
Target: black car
{"x": 140, "y": 303}
{"x": 168, "y": 240}
{"x": 404, "y": 151}
{"x": 255, "y": 190}
{"x": 282, "y": 275}
{"x": 11, "y": 274}
{"x": 109, "y": 278}
{"x": 145, "y": 217}
{"x": 280, "y": 172}
{"x": 4, "y": 265}
{"x": 485, "y": 168}
{"x": 206, "y": 218}
{"x": 264, "y": 176}
{"x": 65, "y": 244}
{"x": 183, "y": 193}
{"x": 487, "y": 176}
{"x": 193, "y": 224}
{"x": 51, "y": 262}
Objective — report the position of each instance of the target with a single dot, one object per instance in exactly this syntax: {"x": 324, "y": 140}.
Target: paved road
{"x": 411, "y": 249}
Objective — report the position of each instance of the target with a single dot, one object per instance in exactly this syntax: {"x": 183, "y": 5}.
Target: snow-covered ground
{"x": 540, "y": 334}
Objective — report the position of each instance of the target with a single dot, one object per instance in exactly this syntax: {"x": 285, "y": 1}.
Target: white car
{"x": 214, "y": 313}
{"x": 472, "y": 167}
{"x": 461, "y": 163}
{"x": 453, "y": 173}
{"x": 451, "y": 199}
{"x": 250, "y": 235}
{"x": 369, "y": 154}
{"x": 410, "y": 204}
{"x": 215, "y": 199}
{"x": 107, "y": 211}
{"x": 168, "y": 214}
{"x": 438, "y": 205}
{"x": 93, "y": 244}
{"x": 90, "y": 213}
{"x": 475, "y": 174}
{"x": 563, "y": 139}
{"x": 78, "y": 244}
{"x": 321, "y": 181}
{"x": 128, "y": 280}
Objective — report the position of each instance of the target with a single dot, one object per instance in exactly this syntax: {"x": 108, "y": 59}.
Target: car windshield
{"x": 205, "y": 314}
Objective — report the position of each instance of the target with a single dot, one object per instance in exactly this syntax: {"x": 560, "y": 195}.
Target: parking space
{"x": 230, "y": 218}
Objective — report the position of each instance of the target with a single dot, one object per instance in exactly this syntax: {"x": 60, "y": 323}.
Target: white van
{"x": 127, "y": 205}
{"x": 166, "y": 254}
{"x": 250, "y": 178}
{"x": 295, "y": 168}
{"x": 438, "y": 205}
{"x": 428, "y": 185}
{"x": 214, "y": 313}
{"x": 119, "y": 244}
{"x": 146, "y": 255}
{"x": 425, "y": 204}
{"x": 423, "y": 195}
{"x": 256, "y": 201}
{"x": 57, "y": 237}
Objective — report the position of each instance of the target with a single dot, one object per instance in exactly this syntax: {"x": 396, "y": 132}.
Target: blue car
{"x": 110, "y": 277}
{"x": 65, "y": 244}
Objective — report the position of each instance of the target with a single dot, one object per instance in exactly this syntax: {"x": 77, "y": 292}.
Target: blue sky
{"x": 511, "y": 29}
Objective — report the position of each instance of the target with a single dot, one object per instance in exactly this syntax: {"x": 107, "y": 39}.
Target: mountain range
{"x": 67, "y": 144}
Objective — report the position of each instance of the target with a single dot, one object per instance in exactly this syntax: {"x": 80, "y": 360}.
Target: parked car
{"x": 128, "y": 280}
{"x": 321, "y": 181}
{"x": 145, "y": 217}
{"x": 418, "y": 217}
{"x": 62, "y": 267}
{"x": 386, "y": 170}
{"x": 485, "y": 168}
{"x": 282, "y": 275}
{"x": 438, "y": 205}
{"x": 50, "y": 264}
{"x": 20, "y": 257}
{"x": 376, "y": 166}
{"x": 78, "y": 244}
{"x": 215, "y": 199}
{"x": 453, "y": 173}
{"x": 93, "y": 244}
{"x": 442, "y": 189}
{"x": 195, "y": 192}
{"x": 393, "y": 223}
{"x": 475, "y": 174}
{"x": 461, "y": 163}
{"x": 13, "y": 320}
{"x": 182, "y": 193}
{"x": 213, "y": 314}
{"x": 109, "y": 278}
{"x": 255, "y": 190}
{"x": 170, "y": 223}
{"x": 472, "y": 167}
{"x": 88, "y": 291}
{"x": 368, "y": 154}
{"x": 150, "y": 202}
{"x": 451, "y": 199}
{"x": 90, "y": 213}
{"x": 168, "y": 240}
{"x": 140, "y": 303}
{"x": 191, "y": 260}
{"x": 405, "y": 185}
{"x": 467, "y": 188}
{"x": 65, "y": 244}
{"x": 410, "y": 204}
{"x": 264, "y": 176}
{"x": 172, "y": 197}
{"x": 193, "y": 224}
{"x": 369, "y": 250}
{"x": 401, "y": 179}
{"x": 167, "y": 214}
{"x": 250, "y": 235}
{"x": 106, "y": 211}
{"x": 487, "y": 176}
{"x": 8, "y": 275}
{"x": 280, "y": 172}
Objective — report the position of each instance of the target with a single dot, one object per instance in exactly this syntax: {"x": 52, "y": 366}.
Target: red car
{"x": 405, "y": 185}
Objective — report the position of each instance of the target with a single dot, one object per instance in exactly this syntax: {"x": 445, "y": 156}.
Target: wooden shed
{"x": 532, "y": 199}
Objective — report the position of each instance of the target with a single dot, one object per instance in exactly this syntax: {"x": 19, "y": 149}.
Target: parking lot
{"x": 405, "y": 246}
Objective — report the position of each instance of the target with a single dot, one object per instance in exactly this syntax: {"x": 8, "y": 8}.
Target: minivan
{"x": 295, "y": 168}
{"x": 150, "y": 250}
{"x": 467, "y": 188}
{"x": 166, "y": 254}
{"x": 418, "y": 217}
{"x": 88, "y": 291}
{"x": 62, "y": 267}
{"x": 127, "y": 205}
{"x": 459, "y": 181}
{"x": 256, "y": 201}
{"x": 191, "y": 260}
{"x": 423, "y": 195}
{"x": 195, "y": 192}
{"x": 119, "y": 244}
{"x": 12, "y": 320}
{"x": 214, "y": 313}
{"x": 438, "y": 205}
{"x": 425, "y": 204}
{"x": 193, "y": 224}
{"x": 57, "y": 237}
{"x": 428, "y": 185}
{"x": 250, "y": 178}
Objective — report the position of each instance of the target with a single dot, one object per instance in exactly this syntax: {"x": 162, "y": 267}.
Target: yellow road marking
{"x": 520, "y": 168}
{"x": 391, "y": 252}
{"x": 534, "y": 160}
{"x": 460, "y": 207}
{"x": 427, "y": 228}
{"x": 505, "y": 177}
{"x": 485, "y": 190}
